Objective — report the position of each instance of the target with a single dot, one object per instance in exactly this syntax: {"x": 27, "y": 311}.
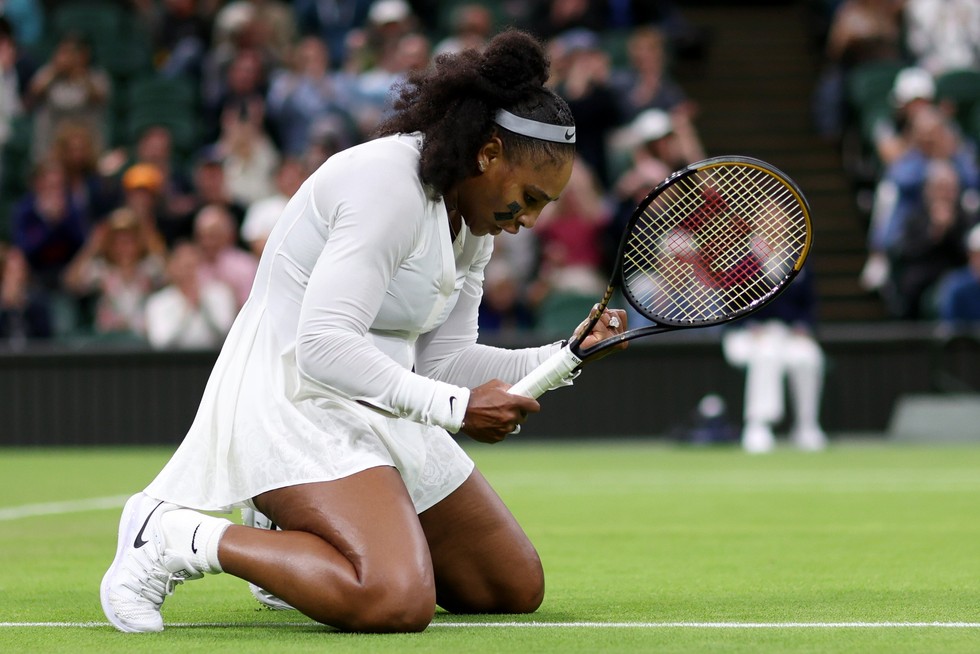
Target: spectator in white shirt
{"x": 190, "y": 312}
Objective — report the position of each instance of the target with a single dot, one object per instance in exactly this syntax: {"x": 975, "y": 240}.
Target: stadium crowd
{"x": 901, "y": 93}
{"x": 149, "y": 146}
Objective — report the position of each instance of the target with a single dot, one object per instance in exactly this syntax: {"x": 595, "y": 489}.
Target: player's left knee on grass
{"x": 519, "y": 590}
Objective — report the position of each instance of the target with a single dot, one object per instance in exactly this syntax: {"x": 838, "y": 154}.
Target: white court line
{"x": 554, "y": 625}
{"x": 55, "y": 508}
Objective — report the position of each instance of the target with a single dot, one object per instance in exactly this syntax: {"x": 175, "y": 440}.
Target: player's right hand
{"x": 492, "y": 413}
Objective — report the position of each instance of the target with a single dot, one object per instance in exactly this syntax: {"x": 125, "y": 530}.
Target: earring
{"x": 483, "y": 166}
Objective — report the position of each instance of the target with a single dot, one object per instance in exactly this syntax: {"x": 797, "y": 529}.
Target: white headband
{"x": 535, "y": 129}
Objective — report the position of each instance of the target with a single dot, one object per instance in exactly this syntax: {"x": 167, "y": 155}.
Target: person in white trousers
{"x": 781, "y": 357}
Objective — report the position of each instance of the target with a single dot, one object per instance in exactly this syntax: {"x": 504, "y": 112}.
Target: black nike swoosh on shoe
{"x": 193, "y": 537}
{"x": 139, "y": 542}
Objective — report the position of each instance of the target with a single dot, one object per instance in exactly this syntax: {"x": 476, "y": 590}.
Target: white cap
{"x": 913, "y": 84}
{"x": 651, "y": 125}
{"x": 973, "y": 239}
{"x": 389, "y": 11}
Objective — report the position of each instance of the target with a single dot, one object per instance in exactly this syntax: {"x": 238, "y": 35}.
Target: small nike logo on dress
{"x": 139, "y": 542}
{"x": 194, "y": 537}
{"x": 569, "y": 134}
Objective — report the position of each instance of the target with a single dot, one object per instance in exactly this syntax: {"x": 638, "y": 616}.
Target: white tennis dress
{"x": 356, "y": 347}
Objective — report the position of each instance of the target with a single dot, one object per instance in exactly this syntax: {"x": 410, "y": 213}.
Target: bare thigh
{"x": 483, "y": 560}
{"x": 352, "y": 553}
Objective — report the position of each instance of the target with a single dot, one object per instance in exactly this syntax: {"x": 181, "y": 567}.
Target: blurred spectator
{"x": 646, "y": 83}
{"x": 470, "y": 27}
{"x": 47, "y": 227}
{"x": 181, "y": 33}
{"x": 270, "y": 25}
{"x": 10, "y": 103}
{"x": 932, "y": 136}
{"x": 861, "y": 31}
{"x": 387, "y": 22}
{"x": 215, "y": 234}
{"x": 776, "y": 345}
{"x": 210, "y": 186}
{"x": 242, "y": 91}
{"x": 68, "y": 88}
{"x": 190, "y": 312}
{"x": 373, "y": 87}
{"x": 76, "y": 152}
{"x": 943, "y": 35}
{"x": 121, "y": 264}
{"x": 585, "y": 85}
{"x": 26, "y": 19}
{"x": 505, "y": 307}
{"x": 959, "y": 295}
{"x": 328, "y": 135}
{"x": 262, "y": 215}
{"x": 570, "y": 233}
{"x": 24, "y": 312}
{"x": 550, "y": 18}
{"x": 302, "y": 93}
{"x": 142, "y": 186}
{"x": 249, "y": 157}
{"x": 914, "y": 89}
{"x": 331, "y": 21}
{"x": 930, "y": 243}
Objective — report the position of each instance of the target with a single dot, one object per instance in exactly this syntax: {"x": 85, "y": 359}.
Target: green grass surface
{"x": 633, "y": 537}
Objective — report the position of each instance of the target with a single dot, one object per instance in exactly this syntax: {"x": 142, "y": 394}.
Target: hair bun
{"x": 514, "y": 60}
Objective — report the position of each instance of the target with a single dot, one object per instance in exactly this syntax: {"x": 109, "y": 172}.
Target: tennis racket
{"x": 712, "y": 243}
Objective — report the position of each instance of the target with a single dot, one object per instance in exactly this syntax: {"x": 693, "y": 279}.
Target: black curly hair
{"x": 453, "y": 105}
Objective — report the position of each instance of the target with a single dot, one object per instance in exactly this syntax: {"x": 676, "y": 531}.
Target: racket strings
{"x": 714, "y": 243}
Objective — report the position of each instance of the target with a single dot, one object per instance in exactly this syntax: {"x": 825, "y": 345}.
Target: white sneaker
{"x": 758, "y": 439}
{"x": 144, "y": 572}
{"x": 811, "y": 439}
{"x": 253, "y": 518}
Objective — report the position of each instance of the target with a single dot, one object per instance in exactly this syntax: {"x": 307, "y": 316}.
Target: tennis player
{"x": 331, "y": 406}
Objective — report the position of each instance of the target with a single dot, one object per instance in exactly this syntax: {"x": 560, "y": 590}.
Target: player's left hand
{"x": 612, "y": 323}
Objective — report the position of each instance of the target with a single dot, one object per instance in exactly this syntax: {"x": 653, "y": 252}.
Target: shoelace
{"x": 161, "y": 584}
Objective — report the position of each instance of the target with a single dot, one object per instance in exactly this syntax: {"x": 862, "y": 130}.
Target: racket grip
{"x": 551, "y": 373}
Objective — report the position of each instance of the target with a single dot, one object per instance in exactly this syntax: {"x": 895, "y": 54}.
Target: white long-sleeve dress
{"x": 356, "y": 348}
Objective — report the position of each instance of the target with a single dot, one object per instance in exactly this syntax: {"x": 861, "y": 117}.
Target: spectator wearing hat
{"x": 120, "y": 265}
{"x": 959, "y": 295}
{"x": 142, "y": 192}
{"x": 914, "y": 88}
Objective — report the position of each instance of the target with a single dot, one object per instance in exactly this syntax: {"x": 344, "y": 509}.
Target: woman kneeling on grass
{"x": 330, "y": 408}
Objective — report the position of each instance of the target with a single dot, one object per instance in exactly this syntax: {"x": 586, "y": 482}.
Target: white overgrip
{"x": 551, "y": 373}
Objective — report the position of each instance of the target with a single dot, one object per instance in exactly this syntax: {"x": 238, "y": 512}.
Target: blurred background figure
{"x": 470, "y": 27}
{"x": 774, "y": 346}
{"x": 121, "y": 264}
{"x": 216, "y": 234}
{"x": 930, "y": 244}
{"x": 68, "y": 87}
{"x": 24, "y": 311}
{"x": 959, "y": 295}
{"x": 261, "y": 215}
{"x": 47, "y": 228}
{"x": 192, "y": 311}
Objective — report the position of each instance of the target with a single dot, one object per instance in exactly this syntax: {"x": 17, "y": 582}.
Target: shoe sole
{"x": 129, "y": 522}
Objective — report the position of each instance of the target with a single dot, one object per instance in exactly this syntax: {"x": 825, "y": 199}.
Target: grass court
{"x": 647, "y": 546}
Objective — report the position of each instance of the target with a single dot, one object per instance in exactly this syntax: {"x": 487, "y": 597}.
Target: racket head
{"x": 713, "y": 243}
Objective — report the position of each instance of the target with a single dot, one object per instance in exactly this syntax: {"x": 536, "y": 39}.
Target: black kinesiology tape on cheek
{"x": 501, "y": 216}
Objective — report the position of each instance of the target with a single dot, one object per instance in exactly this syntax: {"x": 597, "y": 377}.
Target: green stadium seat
{"x": 97, "y": 20}
{"x": 562, "y": 311}
{"x": 961, "y": 87}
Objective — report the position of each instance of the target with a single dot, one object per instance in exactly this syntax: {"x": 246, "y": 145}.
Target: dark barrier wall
{"x": 102, "y": 396}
